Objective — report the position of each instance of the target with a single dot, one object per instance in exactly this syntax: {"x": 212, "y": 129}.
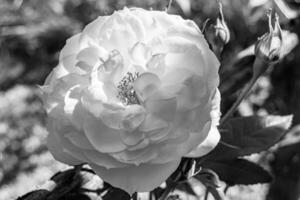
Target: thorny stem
{"x": 259, "y": 68}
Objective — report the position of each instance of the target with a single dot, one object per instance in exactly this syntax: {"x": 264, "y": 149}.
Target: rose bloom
{"x": 132, "y": 94}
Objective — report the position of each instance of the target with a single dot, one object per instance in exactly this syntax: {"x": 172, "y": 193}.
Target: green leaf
{"x": 239, "y": 171}
{"x": 247, "y": 135}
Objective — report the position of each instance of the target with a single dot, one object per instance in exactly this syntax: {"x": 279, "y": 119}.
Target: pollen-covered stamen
{"x": 126, "y": 92}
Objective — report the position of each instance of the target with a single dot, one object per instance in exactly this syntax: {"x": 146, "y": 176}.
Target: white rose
{"x": 132, "y": 94}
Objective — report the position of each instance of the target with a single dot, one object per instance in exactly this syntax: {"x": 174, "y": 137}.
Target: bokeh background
{"x": 32, "y": 32}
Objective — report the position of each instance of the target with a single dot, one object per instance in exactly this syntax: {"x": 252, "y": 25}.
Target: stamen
{"x": 126, "y": 91}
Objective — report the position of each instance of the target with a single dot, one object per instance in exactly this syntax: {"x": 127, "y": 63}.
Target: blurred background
{"x": 32, "y": 32}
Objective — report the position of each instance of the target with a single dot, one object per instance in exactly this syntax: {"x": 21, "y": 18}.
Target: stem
{"x": 97, "y": 191}
{"x": 239, "y": 100}
{"x": 226, "y": 189}
{"x": 151, "y": 196}
{"x": 166, "y": 192}
{"x": 78, "y": 167}
{"x": 218, "y": 51}
{"x": 206, "y": 193}
{"x": 88, "y": 170}
{"x": 258, "y": 68}
{"x": 169, "y": 5}
{"x": 134, "y": 196}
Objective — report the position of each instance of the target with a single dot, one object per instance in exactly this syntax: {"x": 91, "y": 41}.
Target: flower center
{"x": 126, "y": 91}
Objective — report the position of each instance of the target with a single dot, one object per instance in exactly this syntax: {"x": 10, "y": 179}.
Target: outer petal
{"x": 213, "y": 136}
{"x": 56, "y": 149}
{"x": 207, "y": 145}
{"x": 72, "y": 46}
{"x": 140, "y": 178}
{"x": 173, "y": 149}
{"x": 104, "y": 160}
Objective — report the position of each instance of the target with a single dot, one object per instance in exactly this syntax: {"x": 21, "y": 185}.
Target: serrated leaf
{"x": 247, "y": 135}
{"x": 239, "y": 171}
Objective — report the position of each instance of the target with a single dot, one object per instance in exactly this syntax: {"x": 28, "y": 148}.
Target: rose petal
{"x": 158, "y": 135}
{"x": 133, "y": 116}
{"x": 191, "y": 96}
{"x": 162, "y": 104}
{"x": 56, "y": 149}
{"x": 93, "y": 98}
{"x": 103, "y": 138}
{"x": 69, "y": 63}
{"x": 145, "y": 85}
{"x": 189, "y": 57}
{"x": 92, "y": 56}
{"x": 132, "y": 137}
{"x": 140, "y": 53}
{"x": 162, "y": 108}
{"x": 71, "y": 99}
{"x": 207, "y": 145}
{"x": 91, "y": 32}
{"x": 103, "y": 160}
{"x": 72, "y": 46}
{"x": 144, "y": 143}
{"x": 136, "y": 157}
{"x": 152, "y": 123}
{"x": 77, "y": 116}
{"x": 171, "y": 150}
{"x": 79, "y": 140}
{"x": 116, "y": 40}
{"x": 215, "y": 111}
{"x": 59, "y": 127}
{"x": 112, "y": 68}
{"x": 142, "y": 178}
{"x": 156, "y": 64}
{"x": 176, "y": 76}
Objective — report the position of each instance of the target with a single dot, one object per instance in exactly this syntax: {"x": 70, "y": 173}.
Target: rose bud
{"x": 218, "y": 33}
{"x": 132, "y": 94}
{"x": 222, "y": 33}
{"x": 268, "y": 47}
